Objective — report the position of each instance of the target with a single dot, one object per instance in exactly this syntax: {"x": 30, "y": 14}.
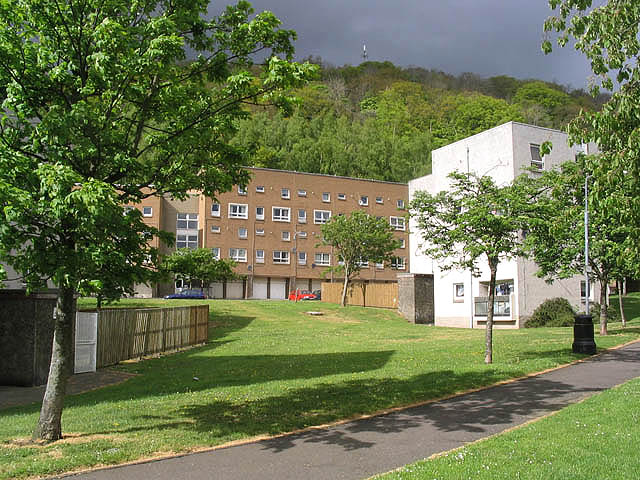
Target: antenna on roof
{"x": 364, "y": 52}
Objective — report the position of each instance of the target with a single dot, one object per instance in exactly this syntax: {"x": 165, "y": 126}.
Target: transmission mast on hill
{"x": 364, "y": 52}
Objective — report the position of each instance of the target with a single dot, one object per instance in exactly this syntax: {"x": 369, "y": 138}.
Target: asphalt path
{"x": 362, "y": 448}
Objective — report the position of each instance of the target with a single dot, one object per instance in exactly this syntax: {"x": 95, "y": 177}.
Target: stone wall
{"x": 26, "y": 337}
{"x": 415, "y": 297}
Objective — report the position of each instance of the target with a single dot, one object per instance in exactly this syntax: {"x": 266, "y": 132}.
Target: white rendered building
{"x": 503, "y": 152}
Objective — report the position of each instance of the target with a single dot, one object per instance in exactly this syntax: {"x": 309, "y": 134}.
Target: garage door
{"x": 216, "y": 290}
{"x": 234, "y": 290}
{"x": 278, "y": 288}
{"x": 259, "y": 288}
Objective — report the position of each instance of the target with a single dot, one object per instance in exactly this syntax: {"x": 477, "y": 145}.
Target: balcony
{"x": 501, "y": 306}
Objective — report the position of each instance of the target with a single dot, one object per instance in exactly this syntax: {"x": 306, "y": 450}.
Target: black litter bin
{"x": 583, "y": 341}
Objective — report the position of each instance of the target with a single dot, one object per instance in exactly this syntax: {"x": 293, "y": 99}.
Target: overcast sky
{"x": 487, "y": 37}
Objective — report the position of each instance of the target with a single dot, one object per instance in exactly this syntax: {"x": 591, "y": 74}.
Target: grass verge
{"x": 270, "y": 368}
{"x": 595, "y": 439}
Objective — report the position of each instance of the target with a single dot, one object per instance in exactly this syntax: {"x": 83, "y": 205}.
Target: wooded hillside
{"x": 380, "y": 121}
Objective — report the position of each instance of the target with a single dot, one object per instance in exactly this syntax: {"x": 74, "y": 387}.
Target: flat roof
{"x": 325, "y": 175}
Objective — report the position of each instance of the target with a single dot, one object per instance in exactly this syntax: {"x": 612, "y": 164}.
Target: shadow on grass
{"x": 221, "y": 326}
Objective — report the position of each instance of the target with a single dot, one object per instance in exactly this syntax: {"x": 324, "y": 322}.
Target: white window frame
{"x": 302, "y": 193}
{"x": 187, "y": 241}
{"x": 400, "y": 204}
{"x": 215, "y": 228}
{"x": 241, "y": 231}
{"x": 536, "y": 163}
{"x": 238, "y": 254}
{"x": 260, "y": 231}
{"x": 380, "y": 266}
{"x": 260, "y": 189}
{"x": 322, "y": 259}
{"x": 187, "y": 217}
{"x": 285, "y": 193}
{"x": 144, "y": 211}
{"x": 326, "y": 197}
{"x": 364, "y": 201}
{"x": 281, "y": 257}
{"x": 303, "y": 218}
{"x": 258, "y": 215}
{"x": 301, "y": 234}
{"x": 242, "y": 210}
{"x": 380, "y": 200}
{"x": 403, "y": 243}
{"x": 281, "y": 218}
{"x": 398, "y": 223}
{"x": 259, "y": 256}
{"x": 456, "y": 296}
{"x": 398, "y": 263}
{"x": 215, "y": 212}
{"x": 242, "y": 191}
{"x": 302, "y": 258}
{"x": 342, "y": 196}
{"x": 216, "y": 252}
{"x": 321, "y": 220}
{"x": 286, "y": 236}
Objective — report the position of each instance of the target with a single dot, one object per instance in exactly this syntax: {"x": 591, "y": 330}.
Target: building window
{"x": 323, "y": 259}
{"x": 301, "y": 234}
{"x": 187, "y": 221}
{"x": 402, "y": 243}
{"x": 281, "y": 214}
{"x": 284, "y": 193}
{"x": 215, "y": 209}
{"x": 302, "y": 216}
{"x": 238, "y": 210}
{"x": 260, "y": 231}
{"x": 379, "y": 266}
{"x": 400, "y": 204}
{"x": 280, "y": 256}
{"x": 321, "y": 216}
{"x": 260, "y": 189}
{"x": 187, "y": 241}
{"x": 215, "y": 229}
{"x": 379, "y": 200}
{"x": 458, "y": 292}
{"x": 147, "y": 211}
{"x": 397, "y": 222}
{"x": 215, "y": 251}
{"x": 326, "y": 197}
{"x": 363, "y": 264}
{"x": 397, "y": 263}
{"x": 242, "y": 190}
{"x": 302, "y": 258}
{"x": 364, "y": 200}
{"x": 583, "y": 289}
{"x": 302, "y": 193}
{"x": 536, "y": 160}
{"x": 259, "y": 213}
{"x": 259, "y": 256}
{"x": 242, "y": 232}
{"x": 238, "y": 254}
{"x": 342, "y": 196}
{"x": 286, "y": 236}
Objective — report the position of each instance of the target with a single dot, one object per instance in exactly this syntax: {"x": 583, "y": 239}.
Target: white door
{"x": 86, "y": 342}
{"x": 259, "y": 288}
{"x": 278, "y": 288}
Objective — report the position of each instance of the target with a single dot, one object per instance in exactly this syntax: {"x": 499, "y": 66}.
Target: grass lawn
{"x": 270, "y": 368}
{"x": 596, "y": 439}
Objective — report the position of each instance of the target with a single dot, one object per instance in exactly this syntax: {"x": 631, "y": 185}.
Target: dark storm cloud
{"x": 487, "y": 37}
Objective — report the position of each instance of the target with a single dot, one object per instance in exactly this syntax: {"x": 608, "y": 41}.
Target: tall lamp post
{"x": 586, "y": 242}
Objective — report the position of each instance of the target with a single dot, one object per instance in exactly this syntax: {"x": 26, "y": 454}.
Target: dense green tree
{"x": 197, "y": 266}
{"x": 356, "y": 239}
{"x": 474, "y": 219}
{"x": 99, "y": 109}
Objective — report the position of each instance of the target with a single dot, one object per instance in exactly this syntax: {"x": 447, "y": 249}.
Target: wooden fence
{"x": 132, "y": 333}
{"x": 383, "y": 295}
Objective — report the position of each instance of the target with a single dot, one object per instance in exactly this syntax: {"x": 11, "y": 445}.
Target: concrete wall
{"x": 415, "y": 297}
{"x": 26, "y": 337}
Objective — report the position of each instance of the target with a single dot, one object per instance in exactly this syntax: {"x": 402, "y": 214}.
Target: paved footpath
{"x": 362, "y": 448}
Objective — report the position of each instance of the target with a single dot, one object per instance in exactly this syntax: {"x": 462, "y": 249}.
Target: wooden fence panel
{"x": 382, "y": 295}
{"x": 124, "y": 334}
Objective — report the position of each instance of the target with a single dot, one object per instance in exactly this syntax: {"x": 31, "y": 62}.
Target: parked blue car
{"x": 194, "y": 294}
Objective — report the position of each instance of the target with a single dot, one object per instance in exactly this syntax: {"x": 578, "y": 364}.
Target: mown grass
{"x": 596, "y": 439}
{"x": 270, "y": 368}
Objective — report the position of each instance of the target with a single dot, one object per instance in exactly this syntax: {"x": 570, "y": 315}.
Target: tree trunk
{"x": 488, "y": 352}
{"x": 603, "y": 306}
{"x": 622, "y": 317}
{"x": 344, "y": 287}
{"x": 49, "y": 426}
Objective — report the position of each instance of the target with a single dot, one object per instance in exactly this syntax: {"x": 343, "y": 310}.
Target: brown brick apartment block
{"x": 272, "y": 229}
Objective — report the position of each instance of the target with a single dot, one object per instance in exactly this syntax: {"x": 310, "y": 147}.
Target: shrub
{"x": 555, "y": 312}
{"x": 613, "y": 314}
